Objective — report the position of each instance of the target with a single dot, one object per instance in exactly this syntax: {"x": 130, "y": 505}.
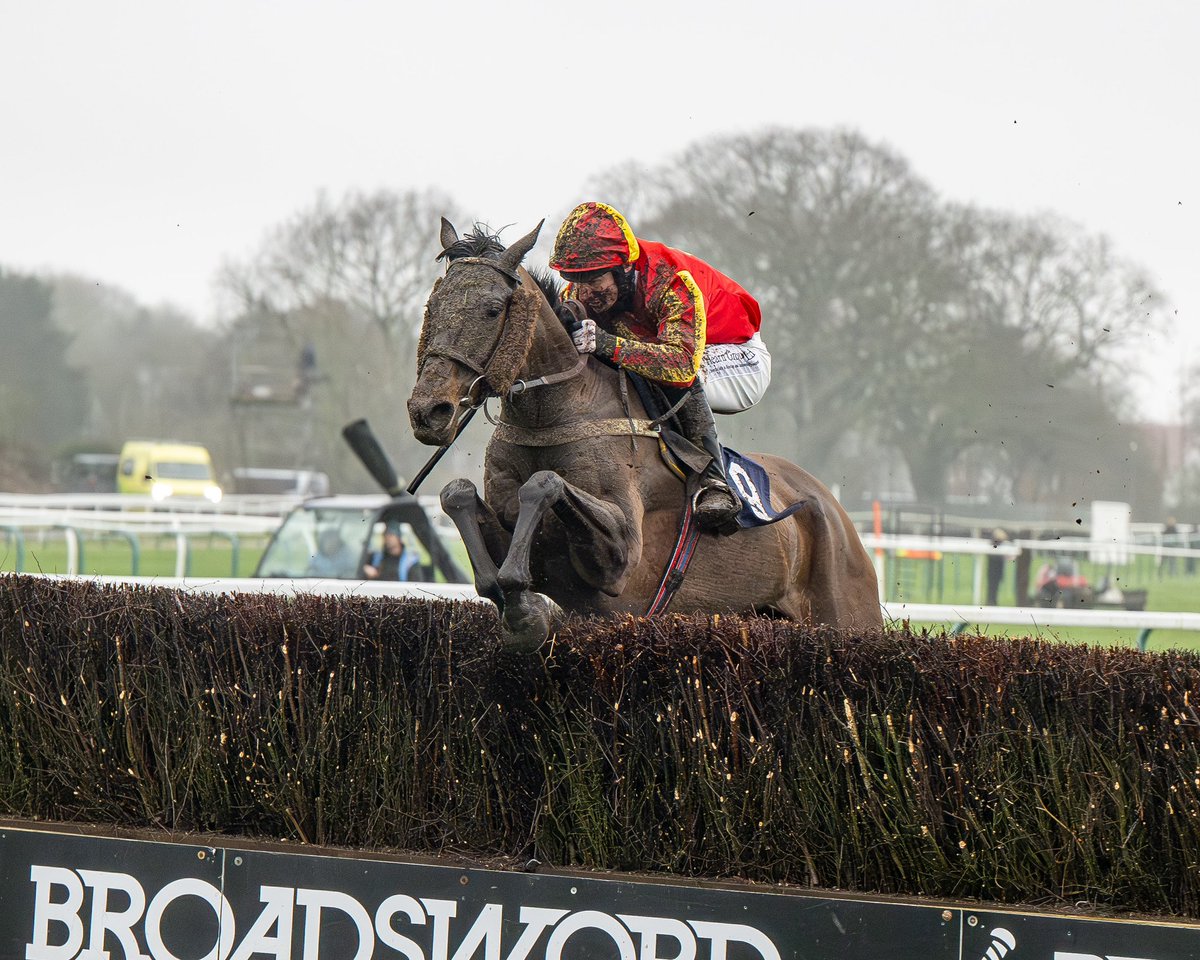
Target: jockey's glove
{"x": 585, "y": 336}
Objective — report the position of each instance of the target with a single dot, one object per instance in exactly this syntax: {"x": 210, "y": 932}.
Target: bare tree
{"x": 151, "y": 372}
{"x": 839, "y": 240}
{"x": 901, "y": 326}
{"x": 344, "y": 286}
{"x": 41, "y": 398}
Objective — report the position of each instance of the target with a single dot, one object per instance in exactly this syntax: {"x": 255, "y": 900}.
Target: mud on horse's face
{"x": 464, "y": 322}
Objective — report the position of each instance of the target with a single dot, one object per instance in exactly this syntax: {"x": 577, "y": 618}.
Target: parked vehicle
{"x": 1061, "y": 584}
{"x": 86, "y": 473}
{"x": 167, "y": 469}
{"x": 333, "y": 537}
{"x": 277, "y": 481}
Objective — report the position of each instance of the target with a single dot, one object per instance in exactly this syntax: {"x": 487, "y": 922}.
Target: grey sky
{"x": 142, "y": 142}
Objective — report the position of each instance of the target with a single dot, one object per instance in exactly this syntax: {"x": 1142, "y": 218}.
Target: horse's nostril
{"x": 438, "y": 418}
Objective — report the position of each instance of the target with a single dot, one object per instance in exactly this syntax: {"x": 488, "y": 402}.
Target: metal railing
{"x": 19, "y": 522}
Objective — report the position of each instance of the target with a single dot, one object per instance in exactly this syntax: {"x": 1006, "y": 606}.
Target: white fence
{"x": 20, "y": 521}
{"x": 287, "y": 587}
{"x": 1038, "y": 618}
{"x": 979, "y": 549}
{"x": 885, "y": 543}
{"x": 235, "y": 503}
{"x": 128, "y": 516}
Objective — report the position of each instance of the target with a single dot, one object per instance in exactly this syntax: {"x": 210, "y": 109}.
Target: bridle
{"x": 481, "y": 390}
{"x": 472, "y": 400}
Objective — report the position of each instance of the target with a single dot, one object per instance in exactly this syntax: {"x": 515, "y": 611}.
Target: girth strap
{"x": 681, "y": 556}
{"x": 571, "y": 432}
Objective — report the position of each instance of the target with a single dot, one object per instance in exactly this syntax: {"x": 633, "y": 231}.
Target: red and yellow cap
{"x": 593, "y": 237}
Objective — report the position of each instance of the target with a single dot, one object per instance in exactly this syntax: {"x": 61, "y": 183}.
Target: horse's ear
{"x": 449, "y": 234}
{"x": 512, "y": 257}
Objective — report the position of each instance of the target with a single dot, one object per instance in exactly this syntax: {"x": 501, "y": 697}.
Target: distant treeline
{"x": 1010, "y": 770}
{"x": 922, "y": 348}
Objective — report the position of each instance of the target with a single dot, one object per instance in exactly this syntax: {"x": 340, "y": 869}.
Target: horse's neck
{"x": 592, "y": 394}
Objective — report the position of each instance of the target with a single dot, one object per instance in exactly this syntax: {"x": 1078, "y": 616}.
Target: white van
{"x": 277, "y": 481}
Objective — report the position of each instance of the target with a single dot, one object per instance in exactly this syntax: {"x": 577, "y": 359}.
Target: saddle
{"x": 682, "y": 456}
{"x": 747, "y": 477}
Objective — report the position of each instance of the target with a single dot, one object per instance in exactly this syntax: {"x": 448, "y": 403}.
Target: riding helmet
{"x": 592, "y": 239}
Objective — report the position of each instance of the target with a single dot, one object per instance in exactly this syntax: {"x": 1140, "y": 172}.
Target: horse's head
{"x": 478, "y": 328}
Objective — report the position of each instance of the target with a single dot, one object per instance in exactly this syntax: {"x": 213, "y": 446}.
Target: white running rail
{"x": 283, "y": 587}
{"x": 1038, "y": 618}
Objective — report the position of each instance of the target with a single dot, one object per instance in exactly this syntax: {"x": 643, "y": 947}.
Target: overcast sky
{"x": 143, "y": 142}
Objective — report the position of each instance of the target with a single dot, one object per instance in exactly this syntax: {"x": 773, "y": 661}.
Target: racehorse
{"x": 578, "y": 506}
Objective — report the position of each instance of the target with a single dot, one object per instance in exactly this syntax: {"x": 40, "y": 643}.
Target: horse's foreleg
{"x": 526, "y": 614}
{"x": 482, "y": 534}
{"x": 594, "y": 528}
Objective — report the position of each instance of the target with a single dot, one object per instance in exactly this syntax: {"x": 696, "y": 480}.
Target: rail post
{"x": 14, "y": 535}
{"x": 181, "y": 554}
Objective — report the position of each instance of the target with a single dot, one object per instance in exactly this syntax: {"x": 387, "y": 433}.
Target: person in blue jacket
{"x": 394, "y": 561}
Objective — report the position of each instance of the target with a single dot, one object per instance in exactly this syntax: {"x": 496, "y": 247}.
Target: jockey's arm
{"x": 673, "y": 356}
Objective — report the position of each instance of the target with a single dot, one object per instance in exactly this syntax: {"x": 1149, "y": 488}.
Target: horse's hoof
{"x": 526, "y": 624}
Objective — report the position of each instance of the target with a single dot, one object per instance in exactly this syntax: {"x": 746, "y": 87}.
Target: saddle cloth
{"x": 751, "y": 483}
{"x": 748, "y": 479}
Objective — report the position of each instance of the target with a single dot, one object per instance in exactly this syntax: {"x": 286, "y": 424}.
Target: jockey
{"x": 673, "y": 319}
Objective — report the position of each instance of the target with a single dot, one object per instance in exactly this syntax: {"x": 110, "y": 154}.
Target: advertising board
{"x": 66, "y": 896}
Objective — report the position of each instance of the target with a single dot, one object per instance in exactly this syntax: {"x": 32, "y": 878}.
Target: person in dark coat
{"x": 995, "y": 568}
{"x": 394, "y": 561}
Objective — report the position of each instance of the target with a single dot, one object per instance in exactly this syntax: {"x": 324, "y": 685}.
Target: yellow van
{"x": 166, "y": 469}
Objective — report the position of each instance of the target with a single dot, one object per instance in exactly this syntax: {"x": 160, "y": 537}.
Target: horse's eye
{"x": 493, "y": 313}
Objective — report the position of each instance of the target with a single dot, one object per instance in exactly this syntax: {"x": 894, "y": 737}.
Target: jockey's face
{"x": 599, "y": 295}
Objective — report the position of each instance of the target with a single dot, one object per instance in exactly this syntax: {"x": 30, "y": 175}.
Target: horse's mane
{"x": 548, "y": 283}
{"x": 481, "y": 242}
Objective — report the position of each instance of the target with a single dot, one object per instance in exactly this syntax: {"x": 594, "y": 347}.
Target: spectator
{"x": 1170, "y": 539}
{"x": 1021, "y": 571}
{"x": 334, "y": 558}
{"x": 394, "y": 561}
{"x": 995, "y": 568}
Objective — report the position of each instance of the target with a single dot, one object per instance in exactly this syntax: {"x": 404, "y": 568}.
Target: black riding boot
{"x": 717, "y": 505}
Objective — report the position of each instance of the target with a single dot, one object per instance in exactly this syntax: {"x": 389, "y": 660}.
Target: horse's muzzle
{"x": 432, "y": 420}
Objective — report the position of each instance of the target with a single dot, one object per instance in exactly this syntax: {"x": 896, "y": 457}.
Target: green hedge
{"x": 1010, "y": 770}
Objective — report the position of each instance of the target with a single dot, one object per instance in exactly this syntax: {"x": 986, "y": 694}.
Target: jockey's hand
{"x": 585, "y": 337}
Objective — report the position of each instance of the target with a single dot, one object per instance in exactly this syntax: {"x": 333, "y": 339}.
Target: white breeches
{"x": 735, "y": 375}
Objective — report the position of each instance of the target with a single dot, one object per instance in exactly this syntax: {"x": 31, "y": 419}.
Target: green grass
{"x": 114, "y": 556}
{"x": 951, "y": 580}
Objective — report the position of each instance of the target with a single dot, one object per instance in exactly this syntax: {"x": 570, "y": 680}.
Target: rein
{"x": 549, "y": 379}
